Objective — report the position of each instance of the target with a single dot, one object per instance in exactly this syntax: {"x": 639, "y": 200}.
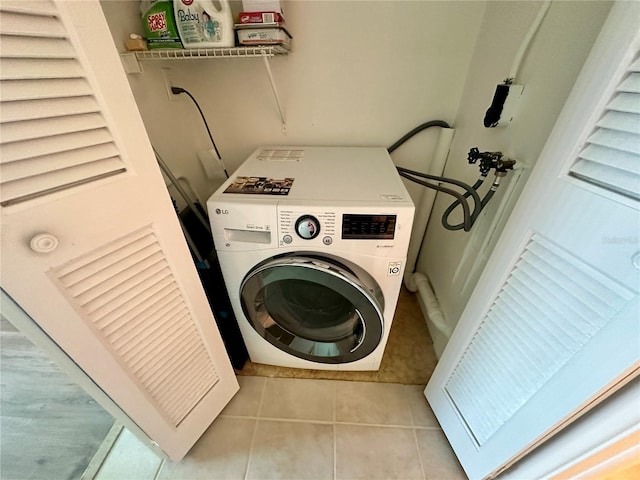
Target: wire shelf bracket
{"x": 131, "y": 62}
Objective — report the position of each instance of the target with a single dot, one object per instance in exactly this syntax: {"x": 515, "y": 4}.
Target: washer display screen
{"x": 356, "y": 226}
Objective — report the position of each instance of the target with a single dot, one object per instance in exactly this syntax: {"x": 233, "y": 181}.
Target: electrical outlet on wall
{"x": 168, "y": 83}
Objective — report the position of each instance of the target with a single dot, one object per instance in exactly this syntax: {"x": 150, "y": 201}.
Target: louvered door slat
{"x": 189, "y": 384}
{"x": 126, "y": 281}
{"x": 140, "y": 314}
{"x": 614, "y": 179}
{"x": 129, "y": 292}
{"x": 105, "y": 318}
{"x": 39, "y": 68}
{"x": 631, "y": 84}
{"x": 472, "y": 395}
{"x": 532, "y": 332}
{"x": 29, "y": 25}
{"x": 128, "y": 330}
{"x": 624, "y": 122}
{"x": 551, "y": 278}
{"x": 119, "y": 251}
{"x": 21, "y": 131}
{"x": 119, "y": 320}
{"x": 536, "y": 307}
{"x": 509, "y": 383}
{"x": 610, "y": 158}
{"x": 616, "y": 140}
{"x": 138, "y": 329}
{"x": 176, "y": 374}
{"x": 35, "y": 47}
{"x": 151, "y": 339}
{"x": 47, "y": 107}
{"x": 195, "y": 387}
{"x": 625, "y": 162}
{"x": 590, "y": 280}
{"x": 519, "y": 332}
{"x": 12, "y": 152}
{"x": 598, "y": 284}
{"x": 461, "y": 395}
{"x": 34, "y": 187}
{"x": 150, "y": 366}
{"x": 625, "y": 102}
{"x": 526, "y": 312}
{"x": 103, "y": 280}
{"x": 509, "y": 353}
{"x": 20, "y": 90}
{"x": 39, "y": 7}
{"x": 58, "y": 161}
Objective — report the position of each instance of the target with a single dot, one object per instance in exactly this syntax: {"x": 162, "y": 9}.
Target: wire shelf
{"x": 228, "y": 52}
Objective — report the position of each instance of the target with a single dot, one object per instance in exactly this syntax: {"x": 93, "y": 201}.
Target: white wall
{"x": 548, "y": 72}
{"x": 361, "y": 73}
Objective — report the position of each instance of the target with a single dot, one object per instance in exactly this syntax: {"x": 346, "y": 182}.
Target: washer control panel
{"x": 306, "y": 228}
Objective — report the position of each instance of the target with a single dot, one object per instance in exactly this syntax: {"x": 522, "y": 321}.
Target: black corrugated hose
{"x": 469, "y": 217}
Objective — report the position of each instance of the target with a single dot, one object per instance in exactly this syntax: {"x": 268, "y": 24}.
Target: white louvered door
{"x": 555, "y": 318}
{"x": 91, "y": 246}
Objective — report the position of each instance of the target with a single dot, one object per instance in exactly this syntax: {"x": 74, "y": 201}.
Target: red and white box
{"x": 257, "y": 18}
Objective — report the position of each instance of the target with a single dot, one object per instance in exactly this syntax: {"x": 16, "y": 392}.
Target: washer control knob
{"x": 287, "y": 239}
{"x": 307, "y": 227}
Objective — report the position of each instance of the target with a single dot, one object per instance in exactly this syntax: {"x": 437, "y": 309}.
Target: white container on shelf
{"x": 263, "y": 34}
{"x": 202, "y": 25}
{"x": 262, "y": 6}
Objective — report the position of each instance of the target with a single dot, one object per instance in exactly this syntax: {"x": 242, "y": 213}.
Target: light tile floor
{"x": 283, "y": 428}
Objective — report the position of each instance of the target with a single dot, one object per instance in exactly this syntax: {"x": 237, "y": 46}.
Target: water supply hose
{"x": 488, "y": 160}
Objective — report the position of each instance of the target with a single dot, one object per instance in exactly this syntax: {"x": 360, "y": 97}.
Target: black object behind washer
{"x": 215, "y": 289}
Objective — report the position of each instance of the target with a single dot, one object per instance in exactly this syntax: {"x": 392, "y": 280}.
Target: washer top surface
{"x": 335, "y": 174}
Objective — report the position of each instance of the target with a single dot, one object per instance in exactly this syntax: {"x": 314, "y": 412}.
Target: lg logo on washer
{"x": 394, "y": 269}
{"x": 220, "y": 211}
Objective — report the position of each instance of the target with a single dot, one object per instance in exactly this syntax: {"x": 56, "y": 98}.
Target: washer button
{"x": 327, "y": 240}
{"x": 287, "y": 239}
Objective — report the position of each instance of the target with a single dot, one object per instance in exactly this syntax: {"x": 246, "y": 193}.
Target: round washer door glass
{"x": 316, "y": 309}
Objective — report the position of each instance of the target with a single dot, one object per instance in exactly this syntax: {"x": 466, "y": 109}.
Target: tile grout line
{"x": 335, "y": 433}
{"x": 330, "y": 422}
{"x": 335, "y": 452}
{"x": 415, "y": 437}
{"x": 157, "y": 475}
{"x": 255, "y": 429}
{"x": 415, "y": 433}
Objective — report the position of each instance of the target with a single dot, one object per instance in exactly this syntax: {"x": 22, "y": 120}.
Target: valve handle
{"x": 474, "y": 155}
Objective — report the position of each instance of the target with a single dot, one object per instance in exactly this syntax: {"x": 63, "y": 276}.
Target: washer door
{"x": 314, "y": 308}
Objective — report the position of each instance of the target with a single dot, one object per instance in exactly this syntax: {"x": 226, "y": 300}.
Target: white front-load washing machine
{"x": 312, "y": 242}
